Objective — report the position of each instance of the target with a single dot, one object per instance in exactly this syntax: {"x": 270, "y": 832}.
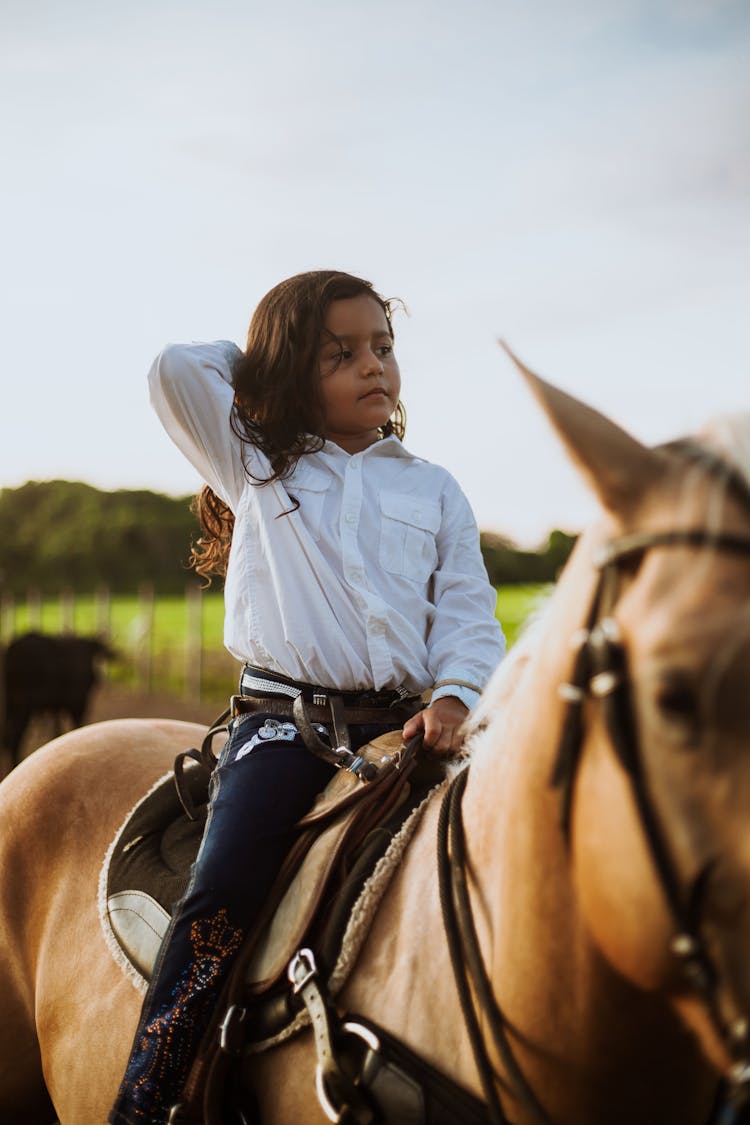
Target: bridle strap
{"x": 599, "y": 654}
{"x": 601, "y": 671}
{"x": 466, "y": 959}
{"x": 637, "y": 543}
{"x": 627, "y": 548}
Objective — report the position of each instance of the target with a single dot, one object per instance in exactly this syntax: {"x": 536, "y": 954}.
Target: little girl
{"x": 352, "y": 567}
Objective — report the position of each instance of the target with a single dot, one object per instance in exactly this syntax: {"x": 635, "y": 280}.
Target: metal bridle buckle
{"x": 739, "y": 1075}
{"x": 604, "y": 683}
{"x": 303, "y": 963}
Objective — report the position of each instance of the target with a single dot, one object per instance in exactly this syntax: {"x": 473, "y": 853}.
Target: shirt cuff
{"x": 230, "y": 352}
{"x": 467, "y": 695}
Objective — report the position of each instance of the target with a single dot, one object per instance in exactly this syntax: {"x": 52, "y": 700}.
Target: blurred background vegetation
{"x": 61, "y": 534}
{"x": 65, "y": 535}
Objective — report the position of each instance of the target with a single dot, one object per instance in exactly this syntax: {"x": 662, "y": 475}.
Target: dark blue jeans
{"x": 265, "y": 781}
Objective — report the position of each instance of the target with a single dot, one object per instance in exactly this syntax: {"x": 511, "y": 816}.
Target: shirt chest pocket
{"x": 408, "y": 526}
{"x": 309, "y": 490}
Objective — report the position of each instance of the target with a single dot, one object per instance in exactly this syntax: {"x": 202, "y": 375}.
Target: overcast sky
{"x": 573, "y": 176}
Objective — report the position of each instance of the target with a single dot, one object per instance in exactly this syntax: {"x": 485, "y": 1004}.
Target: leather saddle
{"x": 338, "y": 843}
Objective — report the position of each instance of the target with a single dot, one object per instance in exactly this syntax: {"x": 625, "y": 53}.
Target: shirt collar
{"x": 387, "y": 447}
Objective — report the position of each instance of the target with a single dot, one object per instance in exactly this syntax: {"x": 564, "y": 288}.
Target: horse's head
{"x": 653, "y": 760}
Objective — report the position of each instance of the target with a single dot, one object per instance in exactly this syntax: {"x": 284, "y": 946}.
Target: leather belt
{"x": 392, "y": 715}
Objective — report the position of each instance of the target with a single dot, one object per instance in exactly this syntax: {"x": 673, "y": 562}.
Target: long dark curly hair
{"x": 278, "y": 407}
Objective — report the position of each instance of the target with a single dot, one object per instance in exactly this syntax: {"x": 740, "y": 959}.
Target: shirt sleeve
{"x": 191, "y": 391}
{"x": 465, "y": 643}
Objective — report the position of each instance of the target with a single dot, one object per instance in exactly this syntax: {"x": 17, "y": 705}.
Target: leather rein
{"x": 600, "y": 672}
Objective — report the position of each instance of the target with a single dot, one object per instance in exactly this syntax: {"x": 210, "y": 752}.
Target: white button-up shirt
{"x": 376, "y": 580}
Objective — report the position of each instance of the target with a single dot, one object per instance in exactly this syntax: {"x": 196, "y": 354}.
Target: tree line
{"x": 69, "y": 535}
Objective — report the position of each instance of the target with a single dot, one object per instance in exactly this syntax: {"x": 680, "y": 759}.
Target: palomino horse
{"x": 612, "y": 907}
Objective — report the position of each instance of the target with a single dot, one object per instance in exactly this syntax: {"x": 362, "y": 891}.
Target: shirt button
{"x": 355, "y": 574}
{"x": 350, "y": 517}
{"x": 378, "y": 628}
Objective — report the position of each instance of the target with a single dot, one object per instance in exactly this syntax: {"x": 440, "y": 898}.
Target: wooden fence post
{"x": 103, "y": 613}
{"x": 103, "y": 624}
{"x": 146, "y": 634}
{"x": 67, "y": 611}
{"x": 7, "y": 617}
{"x": 194, "y": 642}
{"x": 34, "y": 608}
{"x": 7, "y": 607}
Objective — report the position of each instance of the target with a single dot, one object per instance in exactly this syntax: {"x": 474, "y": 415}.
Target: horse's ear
{"x": 618, "y": 468}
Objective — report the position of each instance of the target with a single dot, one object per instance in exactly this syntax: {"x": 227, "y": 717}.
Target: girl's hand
{"x": 442, "y": 723}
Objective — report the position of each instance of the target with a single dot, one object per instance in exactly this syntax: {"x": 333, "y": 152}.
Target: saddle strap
{"x": 338, "y": 1092}
{"x": 205, "y": 758}
{"x": 365, "y": 1074}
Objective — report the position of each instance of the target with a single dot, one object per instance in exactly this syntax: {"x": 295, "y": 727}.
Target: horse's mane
{"x": 728, "y": 435}
{"x": 725, "y": 442}
{"x": 507, "y": 676}
{"x": 722, "y": 447}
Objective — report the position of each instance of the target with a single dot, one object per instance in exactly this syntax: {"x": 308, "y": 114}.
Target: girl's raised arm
{"x": 191, "y": 391}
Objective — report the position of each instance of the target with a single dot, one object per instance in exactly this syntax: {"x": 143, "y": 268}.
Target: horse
{"x": 603, "y": 821}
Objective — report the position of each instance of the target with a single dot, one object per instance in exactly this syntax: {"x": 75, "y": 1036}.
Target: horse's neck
{"x": 511, "y": 809}
{"x": 582, "y": 1029}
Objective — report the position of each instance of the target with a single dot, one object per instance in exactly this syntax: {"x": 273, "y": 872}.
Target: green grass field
{"x": 152, "y": 639}
{"x": 514, "y": 604}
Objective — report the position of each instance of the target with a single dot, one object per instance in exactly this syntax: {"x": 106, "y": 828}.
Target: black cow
{"x": 45, "y": 675}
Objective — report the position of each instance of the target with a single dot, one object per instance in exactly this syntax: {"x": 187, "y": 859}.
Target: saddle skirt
{"x": 347, "y": 848}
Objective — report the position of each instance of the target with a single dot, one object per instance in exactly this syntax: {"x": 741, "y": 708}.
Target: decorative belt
{"x": 258, "y": 683}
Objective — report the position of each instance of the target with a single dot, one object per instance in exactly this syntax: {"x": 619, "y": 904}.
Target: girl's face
{"x": 360, "y": 379}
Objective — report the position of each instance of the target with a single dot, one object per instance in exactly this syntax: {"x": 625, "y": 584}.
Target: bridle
{"x": 600, "y": 672}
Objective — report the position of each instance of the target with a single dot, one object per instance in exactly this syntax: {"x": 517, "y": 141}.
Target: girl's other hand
{"x": 442, "y": 723}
